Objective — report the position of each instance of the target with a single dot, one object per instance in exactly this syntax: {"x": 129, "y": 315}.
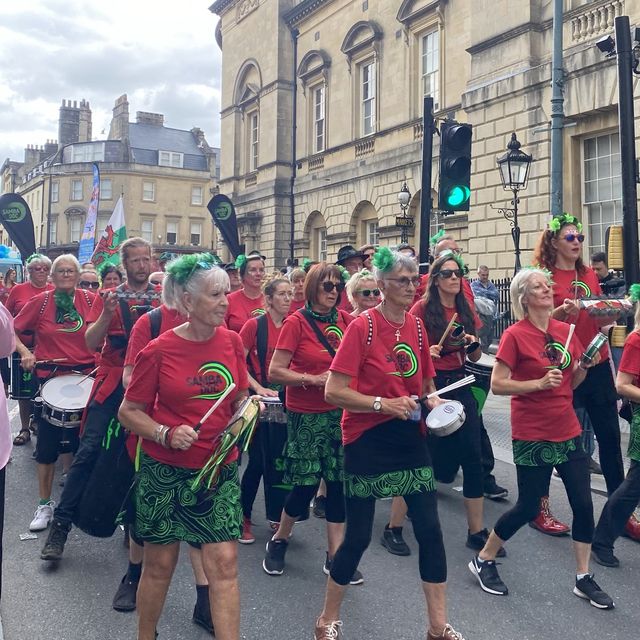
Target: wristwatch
{"x": 377, "y": 404}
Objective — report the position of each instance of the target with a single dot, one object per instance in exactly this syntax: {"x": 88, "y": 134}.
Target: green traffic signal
{"x": 454, "y": 189}
{"x": 458, "y": 195}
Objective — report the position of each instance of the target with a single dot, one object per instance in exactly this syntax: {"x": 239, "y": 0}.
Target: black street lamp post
{"x": 514, "y": 172}
{"x": 404, "y": 197}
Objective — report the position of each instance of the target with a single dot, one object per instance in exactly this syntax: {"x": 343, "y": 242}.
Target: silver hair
{"x": 173, "y": 292}
{"x": 37, "y": 261}
{"x": 355, "y": 280}
{"x": 520, "y": 287}
{"x": 401, "y": 262}
{"x": 66, "y": 257}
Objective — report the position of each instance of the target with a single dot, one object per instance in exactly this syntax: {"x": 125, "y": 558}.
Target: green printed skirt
{"x": 389, "y": 484}
{"x": 528, "y": 453}
{"x": 633, "y": 450}
{"x": 314, "y": 448}
{"x": 167, "y": 509}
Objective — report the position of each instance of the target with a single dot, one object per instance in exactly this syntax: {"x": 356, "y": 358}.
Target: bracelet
{"x": 160, "y": 435}
{"x": 303, "y": 381}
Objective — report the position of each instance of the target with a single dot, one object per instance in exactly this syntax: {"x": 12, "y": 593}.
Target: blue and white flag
{"x": 88, "y": 238}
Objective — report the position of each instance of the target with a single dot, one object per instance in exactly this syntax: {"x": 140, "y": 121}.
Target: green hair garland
{"x": 34, "y": 256}
{"x": 65, "y": 309}
{"x": 557, "y": 222}
{"x": 184, "y": 267}
{"x": 456, "y": 257}
{"x": 383, "y": 259}
{"x": 634, "y": 292}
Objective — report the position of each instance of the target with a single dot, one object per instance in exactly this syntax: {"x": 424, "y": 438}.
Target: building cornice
{"x": 220, "y": 6}
{"x": 306, "y": 8}
{"x": 508, "y": 35}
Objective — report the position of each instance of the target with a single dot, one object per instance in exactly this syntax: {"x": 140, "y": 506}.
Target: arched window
{"x": 247, "y": 100}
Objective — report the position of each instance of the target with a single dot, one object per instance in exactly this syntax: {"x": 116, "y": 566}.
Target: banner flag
{"x": 107, "y": 250}
{"x": 15, "y": 216}
{"x": 224, "y": 217}
{"x": 88, "y": 238}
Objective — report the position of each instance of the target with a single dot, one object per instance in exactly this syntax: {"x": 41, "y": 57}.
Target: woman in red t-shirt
{"x": 247, "y": 302}
{"x": 277, "y": 294}
{"x": 363, "y": 292}
{"x": 296, "y": 277}
{"x": 537, "y": 367}
{"x": 559, "y": 249}
{"x": 383, "y": 361}
{"x": 57, "y": 322}
{"x": 308, "y": 342}
{"x": 444, "y": 298}
{"x": 174, "y": 380}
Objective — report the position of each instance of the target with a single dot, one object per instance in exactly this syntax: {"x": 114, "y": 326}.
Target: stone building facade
{"x": 352, "y": 75}
{"x": 165, "y": 176}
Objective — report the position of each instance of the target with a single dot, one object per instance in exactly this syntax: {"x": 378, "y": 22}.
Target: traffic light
{"x": 454, "y": 191}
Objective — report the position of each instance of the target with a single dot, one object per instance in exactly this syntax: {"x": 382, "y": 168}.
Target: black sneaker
{"x": 494, "y": 491}
{"x": 273, "y": 562}
{"x": 202, "y": 617}
{"x": 604, "y": 557}
{"x": 319, "y": 506}
{"x": 487, "y": 574}
{"x": 125, "y": 598}
{"x": 588, "y": 589}
{"x": 393, "y": 541}
{"x": 476, "y": 541}
{"x": 54, "y": 546}
{"x": 356, "y": 578}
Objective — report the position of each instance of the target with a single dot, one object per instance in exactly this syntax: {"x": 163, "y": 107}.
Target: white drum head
{"x": 446, "y": 418}
{"x": 69, "y": 392}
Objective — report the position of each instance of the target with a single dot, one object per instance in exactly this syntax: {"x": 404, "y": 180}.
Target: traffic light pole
{"x": 627, "y": 151}
{"x": 426, "y": 204}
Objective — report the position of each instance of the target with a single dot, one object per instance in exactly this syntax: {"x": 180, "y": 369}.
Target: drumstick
{"x": 446, "y": 331}
{"x": 227, "y": 391}
{"x": 572, "y": 328}
{"x": 451, "y": 387}
{"x": 54, "y": 360}
{"x": 87, "y": 376}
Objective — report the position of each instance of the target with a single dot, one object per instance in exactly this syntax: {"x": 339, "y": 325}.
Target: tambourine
{"x": 446, "y": 418}
{"x": 601, "y": 306}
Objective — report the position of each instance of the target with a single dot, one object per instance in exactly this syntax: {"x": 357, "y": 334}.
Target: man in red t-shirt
{"x": 110, "y": 322}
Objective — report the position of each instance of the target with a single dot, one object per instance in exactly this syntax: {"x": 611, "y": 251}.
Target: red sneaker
{"x": 247, "y": 536}
{"x": 545, "y": 522}
{"x": 632, "y": 528}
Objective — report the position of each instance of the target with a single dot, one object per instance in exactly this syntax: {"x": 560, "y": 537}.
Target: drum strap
{"x": 371, "y": 332}
{"x": 262, "y": 336}
{"x": 125, "y": 309}
{"x": 323, "y": 341}
{"x": 155, "y": 322}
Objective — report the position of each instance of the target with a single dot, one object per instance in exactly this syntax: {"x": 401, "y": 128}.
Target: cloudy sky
{"x": 163, "y": 55}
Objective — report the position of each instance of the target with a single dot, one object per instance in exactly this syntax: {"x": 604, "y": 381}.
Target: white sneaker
{"x": 42, "y": 517}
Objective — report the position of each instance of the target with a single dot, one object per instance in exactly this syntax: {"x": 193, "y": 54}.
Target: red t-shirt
{"x": 630, "y": 361}
{"x": 309, "y": 356}
{"x": 295, "y": 305}
{"x": 565, "y": 286}
{"x": 541, "y": 415}
{"x": 249, "y": 335}
{"x": 241, "y": 308}
{"x": 453, "y": 349}
{"x": 179, "y": 380}
{"x": 141, "y": 332}
{"x": 19, "y": 295}
{"x": 387, "y": 367}
{"x": 53, "y": 340}
{"x": 345, "y": 305}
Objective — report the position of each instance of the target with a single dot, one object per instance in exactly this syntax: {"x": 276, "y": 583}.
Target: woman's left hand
{"x": 433, "y": 402}
{"x": 182, "y": 437}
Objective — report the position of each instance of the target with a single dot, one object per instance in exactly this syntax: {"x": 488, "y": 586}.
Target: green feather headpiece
{"x": 307, "y": 264}
{"x": 383, "y": 259}
{"x": 433, "y": 240}
{"x": 456, "y": 257}
{"x": 344, "y": 274}
{"x": 634, "y": 292}
{"x": 241, "y": 260}
{"x": 557, "y": 222}
{"x": 184, "y": 267}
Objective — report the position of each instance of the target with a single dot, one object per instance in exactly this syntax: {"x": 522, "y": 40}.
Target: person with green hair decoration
{"x": 247, "y": 302}
{"x": 622, "y": 502}
{"x": 175, "y": 381}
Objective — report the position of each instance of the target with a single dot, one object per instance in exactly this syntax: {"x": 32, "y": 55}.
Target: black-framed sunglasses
{"x": 85, "y": 284}
{"x": 369, "y": 292}
{"x": 330, "y": 286}
{"x": 570, "y": 237}
{"x": 448, "y": 273}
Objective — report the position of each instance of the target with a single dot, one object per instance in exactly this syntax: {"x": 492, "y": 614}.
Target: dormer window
{"x": 170, "y": 159}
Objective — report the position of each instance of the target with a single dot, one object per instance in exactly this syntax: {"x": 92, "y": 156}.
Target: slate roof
{"x": 147, "y": 139}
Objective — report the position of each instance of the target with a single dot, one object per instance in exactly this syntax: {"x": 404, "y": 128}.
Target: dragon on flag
{"x": 107, "y": 250}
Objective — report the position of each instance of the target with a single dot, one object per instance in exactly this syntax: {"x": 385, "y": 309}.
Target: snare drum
{"x": 482, "y": 370}
{"x": 446, "y": 418}
{"x": 273, "y": 411}
{"x": 64, "y": 399}
{"x": 23, "y": 383}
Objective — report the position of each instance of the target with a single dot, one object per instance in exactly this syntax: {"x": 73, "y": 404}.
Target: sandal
{"x": 22, "y": 438}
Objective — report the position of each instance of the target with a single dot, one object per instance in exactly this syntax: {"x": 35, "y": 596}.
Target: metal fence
{"x": 504, "y": 308}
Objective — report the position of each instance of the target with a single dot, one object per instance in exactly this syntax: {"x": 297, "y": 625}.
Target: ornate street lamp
{"x": 404, "y": 197}
{"x": 514, "y": 173}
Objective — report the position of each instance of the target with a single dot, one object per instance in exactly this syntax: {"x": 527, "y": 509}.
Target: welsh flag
{"x": 107, "y": 249}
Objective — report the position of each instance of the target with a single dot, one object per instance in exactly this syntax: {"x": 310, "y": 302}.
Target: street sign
{"x": 406, "y": 222}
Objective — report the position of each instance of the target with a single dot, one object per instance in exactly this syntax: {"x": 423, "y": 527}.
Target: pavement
{"x": 72, "y": 600}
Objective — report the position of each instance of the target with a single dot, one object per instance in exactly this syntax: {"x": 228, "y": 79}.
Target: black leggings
{"x": 426, "y": 527}
{"x": 252, "y": 475}
{"x": 298, "y": 501}
{"x": 533, "y": 484}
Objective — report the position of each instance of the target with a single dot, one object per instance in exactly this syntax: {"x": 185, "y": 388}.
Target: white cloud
{"x": 162, "y": 55}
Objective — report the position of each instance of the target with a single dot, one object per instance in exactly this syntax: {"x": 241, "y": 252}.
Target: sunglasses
{"x": 369, "y": 292}
{"x": 330, "y": 286}
{"x": 447, "y": 273}
{"x": 570, "y": 237}
{"x": 38, "y": 268}
{"x": 156, "y": 282}
{"x": 84, "y": 284}
{"x": 405, "y": 282}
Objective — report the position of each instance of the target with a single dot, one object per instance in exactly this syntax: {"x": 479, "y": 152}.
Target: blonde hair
{"x": 355, "y": 280}
{"x": 520, "y": 287}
